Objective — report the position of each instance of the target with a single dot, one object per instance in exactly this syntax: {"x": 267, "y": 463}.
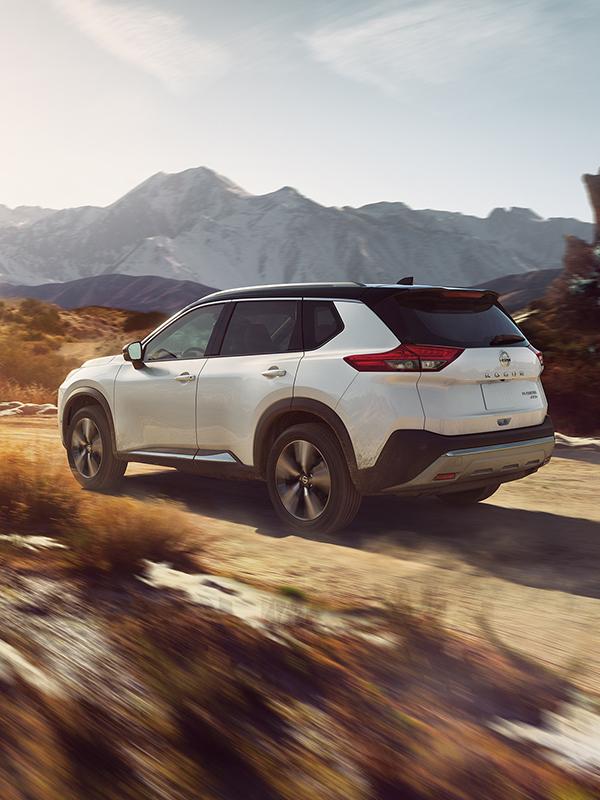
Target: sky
{"x": 463, "y": 105}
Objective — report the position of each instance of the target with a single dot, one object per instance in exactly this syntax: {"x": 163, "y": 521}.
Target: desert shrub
{"x": 143, "y": 320}
{"x": 36, "y": 317}
{"x": 572, "y": 368}
{"x": 7, "y": 314}
{"x": 49, "y": 321}
{"x": 30, "y": 306}
{"x": 35, "y": 495}
{"x": 114, "y": 535}
{"x": 33, "y": 393}
{"x": 105, "y": 535}
{"x": 19, "y": 362}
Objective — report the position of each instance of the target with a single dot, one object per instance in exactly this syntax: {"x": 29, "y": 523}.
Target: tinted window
{"x": 187, "y": 337}
{"x": 446, "y": 320}
{"x": 321, "y": 323}
{"x": 262, "y": 326}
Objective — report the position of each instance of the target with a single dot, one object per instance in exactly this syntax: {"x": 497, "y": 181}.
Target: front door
{"x": 255, "y": 368}
{"x": 155, "y": 406}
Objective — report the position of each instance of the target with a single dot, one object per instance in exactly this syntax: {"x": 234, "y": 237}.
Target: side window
{"x": 321, "y": 322}
{"x": 262, "y": 326}
{"x": 187, "y": 337}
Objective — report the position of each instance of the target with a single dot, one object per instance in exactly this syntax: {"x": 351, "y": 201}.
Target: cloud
{"x": 154, "y": 41}
{"x": 430, "y": 41}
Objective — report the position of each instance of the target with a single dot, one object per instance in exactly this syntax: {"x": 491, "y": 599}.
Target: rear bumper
{"x": 411, "y": 460}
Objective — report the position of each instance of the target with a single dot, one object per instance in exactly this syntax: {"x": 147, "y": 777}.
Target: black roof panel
{"x": 330, "y": 291}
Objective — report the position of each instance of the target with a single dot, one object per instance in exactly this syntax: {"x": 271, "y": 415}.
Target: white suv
{"x": 326, "y": 391}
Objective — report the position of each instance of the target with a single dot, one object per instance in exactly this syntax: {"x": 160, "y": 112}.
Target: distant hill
{"x": 133, "y": 292}
{"x": 153, "y": 293}
{"x": 517, "y": 291}
{"x": 197, "y": 225}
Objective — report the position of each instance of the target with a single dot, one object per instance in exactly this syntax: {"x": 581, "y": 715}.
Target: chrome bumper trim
{"x": 493, "y": 447}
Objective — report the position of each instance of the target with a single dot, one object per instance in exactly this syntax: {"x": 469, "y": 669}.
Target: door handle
{"x": 274, "y": 372}
{"x": 185, "y": 377}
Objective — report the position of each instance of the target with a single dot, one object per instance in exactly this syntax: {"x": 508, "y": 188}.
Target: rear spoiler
{"x": 443, "y": 293}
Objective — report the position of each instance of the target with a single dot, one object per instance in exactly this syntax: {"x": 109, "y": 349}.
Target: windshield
{"x": 442, "y": 319}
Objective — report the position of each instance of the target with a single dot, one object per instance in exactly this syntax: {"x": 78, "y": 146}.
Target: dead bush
{"x": 36, "y": 494}
{"x": 114, "y": 535}
{"x": 32, "y": 393}
{"x": 105, "y": 535}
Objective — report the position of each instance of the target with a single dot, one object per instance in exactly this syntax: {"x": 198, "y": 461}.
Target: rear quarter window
{"x": 445, "y": 320}
{"x": 321, "y": 322}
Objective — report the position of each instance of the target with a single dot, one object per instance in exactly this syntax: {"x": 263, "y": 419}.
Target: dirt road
{"x": 521, "y": 569}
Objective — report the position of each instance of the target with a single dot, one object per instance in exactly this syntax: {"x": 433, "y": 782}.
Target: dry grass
{"x": 31, "y": 393}
{"x": 106, "y": 536}
{"x": 26, "y": 364}
{"x": 112, "y": 536}
{"x": 37, "y": 495}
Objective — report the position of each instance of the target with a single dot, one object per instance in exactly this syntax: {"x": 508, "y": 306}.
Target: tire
{"x": 325, "y": 500}
{"x": 469, "y": 496}
{"x": 90, "y": 452}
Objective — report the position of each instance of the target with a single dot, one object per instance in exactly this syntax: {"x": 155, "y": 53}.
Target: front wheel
{"x": 309, "y": 482}
{"x": 90, "y": 452}
{"x": 469, "y": 496}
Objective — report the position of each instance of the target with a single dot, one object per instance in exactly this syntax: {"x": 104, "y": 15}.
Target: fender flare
{"x": 96, "y": 394}
{"x": 310, "y": 406}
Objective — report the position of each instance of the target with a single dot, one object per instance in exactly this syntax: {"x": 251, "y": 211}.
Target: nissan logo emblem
{"x": 504, "y": 359}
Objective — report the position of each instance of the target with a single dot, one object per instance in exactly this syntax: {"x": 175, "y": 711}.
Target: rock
{"x": 14, "y": 665}
{"x": 29, "y": 409}
{"x": 15, "y": 408}
{"x": 47, "y": 411}
{"x": 579, "y": 442}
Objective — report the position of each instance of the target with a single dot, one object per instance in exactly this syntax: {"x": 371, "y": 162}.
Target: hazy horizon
{"x": 456, "y": 105}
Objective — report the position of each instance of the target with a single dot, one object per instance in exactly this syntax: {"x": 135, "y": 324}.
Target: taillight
{"x": 539, "y": 354}
{"x": 406, "y": 358}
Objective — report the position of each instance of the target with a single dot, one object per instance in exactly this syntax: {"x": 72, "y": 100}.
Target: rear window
{"x": 430, "y": 318}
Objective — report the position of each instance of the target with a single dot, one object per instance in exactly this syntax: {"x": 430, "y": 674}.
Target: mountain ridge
{"x": 153, "y": 293}
{"x": 198, "y": 225}
{"x": 129, "y": 292}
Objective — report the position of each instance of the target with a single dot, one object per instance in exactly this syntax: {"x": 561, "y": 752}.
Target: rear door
{"x": 493, "y": 379}
{"x": 256, "y": 367}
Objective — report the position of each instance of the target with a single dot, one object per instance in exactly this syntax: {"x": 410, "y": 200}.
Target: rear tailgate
{"x": 476, "y": 393}
{"x": 494, "y": 381}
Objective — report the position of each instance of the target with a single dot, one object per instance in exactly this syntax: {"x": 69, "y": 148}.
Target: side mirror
{"x": 133, "y": 352}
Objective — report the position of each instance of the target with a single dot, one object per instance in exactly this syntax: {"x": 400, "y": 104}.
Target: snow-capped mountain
{"x": 197, "y": 225}
{"x": 21, "y": 215}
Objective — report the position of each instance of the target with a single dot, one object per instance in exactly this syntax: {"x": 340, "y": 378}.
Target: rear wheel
{"x": 469, "y": 496}
{"x": 309, "y": 482}
{"x": 90, "y": 452}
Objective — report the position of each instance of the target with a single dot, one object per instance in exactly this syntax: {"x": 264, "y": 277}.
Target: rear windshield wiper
{"x": 507, "y": 338}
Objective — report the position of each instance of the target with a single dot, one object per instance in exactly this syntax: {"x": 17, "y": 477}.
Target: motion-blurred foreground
{"x": 112, "y": 687}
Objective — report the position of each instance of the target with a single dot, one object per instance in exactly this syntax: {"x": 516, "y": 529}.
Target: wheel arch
{"x": 79, "y": 398}
{"x": 284, "y": 414}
